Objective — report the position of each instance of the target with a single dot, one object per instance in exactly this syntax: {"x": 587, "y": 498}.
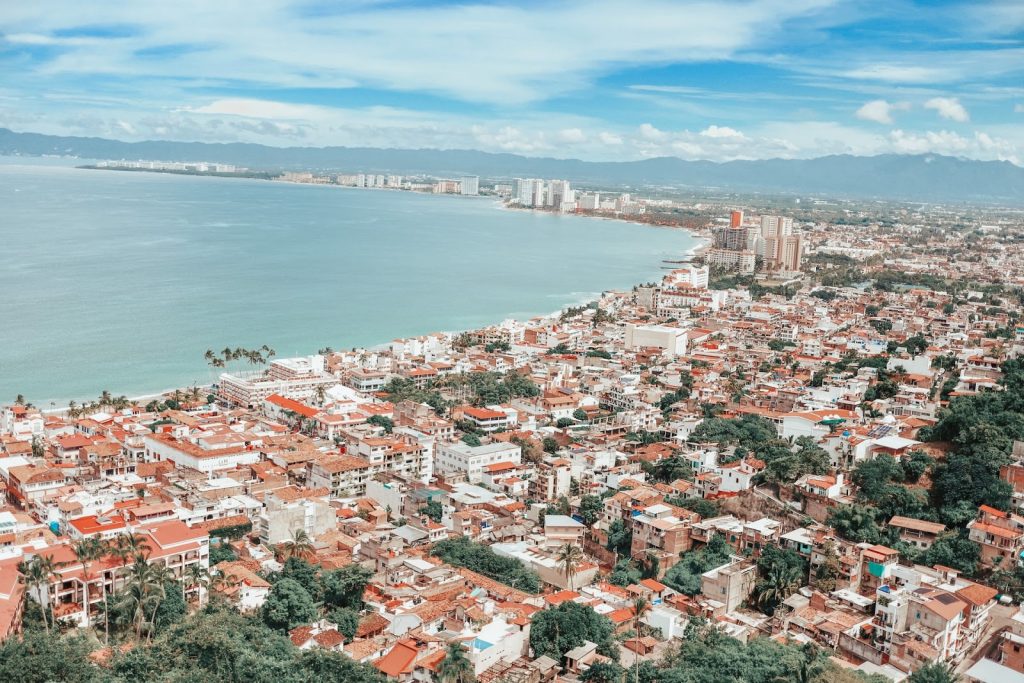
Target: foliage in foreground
{"x": 215, "y": 644}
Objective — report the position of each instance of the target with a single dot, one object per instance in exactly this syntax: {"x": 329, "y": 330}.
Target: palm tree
{"x": 33, "y": 575}
{"x": 196, "y": 576}
{"x": 87, "y": 550}
{"x": 104, "y": 397}
{"x": 299, "y": 545}
{"x": 19, "y": 400}
{"x": 455, "y": 667}
{"x": 640, "y": 607}
{"x": 161, "y": 575}
{"x": 140, "y": 593}
{"x": 778, "y": 585}
{"x": 321, "y": 393}
{"x": 569, "y": 558}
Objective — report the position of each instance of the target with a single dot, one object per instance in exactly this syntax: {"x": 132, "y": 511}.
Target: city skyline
{"x": 717, "y": 81}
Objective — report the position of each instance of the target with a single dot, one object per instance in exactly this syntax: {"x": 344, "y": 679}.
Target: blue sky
{"x": 592, "y": 79}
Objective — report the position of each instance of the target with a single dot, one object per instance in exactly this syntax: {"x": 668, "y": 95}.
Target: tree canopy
{"x": 463, "y": 552}
{"x": 555, "y": 631}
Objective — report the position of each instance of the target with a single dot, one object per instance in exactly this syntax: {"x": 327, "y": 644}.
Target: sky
{"x": 588, "y": 79}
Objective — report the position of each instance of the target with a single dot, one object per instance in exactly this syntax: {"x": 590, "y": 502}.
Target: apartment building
{"x": 345, "y": 476}
{"x": 461, "y": 458}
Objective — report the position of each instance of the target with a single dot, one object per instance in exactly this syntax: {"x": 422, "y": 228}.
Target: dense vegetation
{"x": 555, "y": 631}
{"x": 462, "y": 552}
{"x": 706, "y": 655}
{"x": 215, "y": 644}
{"x": 684, "y": 576}
{"x": 756, "y": 436}
{"x": 481, "y": 388}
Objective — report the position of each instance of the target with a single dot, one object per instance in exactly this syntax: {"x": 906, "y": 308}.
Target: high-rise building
{"x": 736, "y": 219}
{"x": 470, "y": 185}
{"x": 522, "y": 191}
{"x": 776, "y": 226}
{"x": 538, "y": 192}
{"x": 590, "y": 201}
{"x": 791, "y": 253}
{"x": 733, "y": 237}
{"x": 559, "y": 192}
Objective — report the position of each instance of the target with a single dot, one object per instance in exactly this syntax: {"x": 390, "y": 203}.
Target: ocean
{"x": 119, "y": 281}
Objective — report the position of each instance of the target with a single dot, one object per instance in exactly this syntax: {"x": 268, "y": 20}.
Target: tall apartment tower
{"x": 736, "y": 219}
{"x": 469, "y": 185}
{"x": 774, "y": 230}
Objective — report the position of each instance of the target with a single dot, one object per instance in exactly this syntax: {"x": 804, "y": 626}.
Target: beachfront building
{"x": 295, "y": 378}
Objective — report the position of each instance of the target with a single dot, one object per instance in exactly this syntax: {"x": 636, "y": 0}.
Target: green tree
{"x": 347, "y": 620}
{"x": 684, "y": 576}
{"x": 620, "y": 538}
{"x": 288, "y": 606}
{"x": 855, "y": 523}
{"x": 590, "y": 509}
{"x": 456, "y": 667}
{"x": 569, "y": 558}
{"x": 345, "y": 587}
{"x": 433, "y": 510}
{"x": 382, "y": 421}
{"x": 555, "y": 631}
{"x": 604, "y": 672}
{"x": 41, "y": 657}
{"x": 934, "y": 672}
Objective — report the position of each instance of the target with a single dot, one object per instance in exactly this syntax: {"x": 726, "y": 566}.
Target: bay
{"x": 120, "y": 281}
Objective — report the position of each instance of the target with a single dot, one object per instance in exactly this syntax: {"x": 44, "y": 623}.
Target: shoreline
{"x": 702, "y": 243}
{"x": 688, "y": 255}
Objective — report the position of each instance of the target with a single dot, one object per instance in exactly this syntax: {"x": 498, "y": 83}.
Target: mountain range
{"x": 921, "y": 177}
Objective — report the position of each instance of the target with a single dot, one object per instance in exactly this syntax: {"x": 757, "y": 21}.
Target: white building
{"x": 671, "y": 339}
{"x": 469, "y": 185}
{"x": 471, "y": 460}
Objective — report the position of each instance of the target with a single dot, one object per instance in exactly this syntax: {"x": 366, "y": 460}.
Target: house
{"x": 562, "y": 529}
{"x": 999, "y": 535}
{"x": 916, "y": 532}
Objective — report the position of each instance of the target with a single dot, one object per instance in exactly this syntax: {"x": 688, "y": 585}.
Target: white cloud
{"x": 1018, "y": 108}
{"x": 948, "y": 108}
{"x": 721, "y": 132}
{"x": 571, "y": 135}
{"x": 609, "y": 138}
{"x": 649, "y": 132}
{"x": 980, "y": 145}
{"x": 879, "y": 111}
{"x": 896, "y": 73}
{"x": 398, "y": 46}
{"x": 260, "y": 109}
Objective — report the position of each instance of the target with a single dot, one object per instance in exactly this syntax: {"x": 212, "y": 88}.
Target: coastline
{"x": 590, "y": 295}
{"x": 689, "y": 254}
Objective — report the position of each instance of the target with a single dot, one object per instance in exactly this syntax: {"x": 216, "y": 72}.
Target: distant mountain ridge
{"x": 922, "y": 177}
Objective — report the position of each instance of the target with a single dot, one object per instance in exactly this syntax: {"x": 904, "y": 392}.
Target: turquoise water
{"x": 120, "y": 281}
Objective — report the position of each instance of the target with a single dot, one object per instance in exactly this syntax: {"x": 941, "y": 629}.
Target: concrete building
{"x": 469, "y": 185}
{"x": 345, "y": 476}
{"x": 562, "y": 529}
{"x": 289, "y": 510}
{"x": 458, "y": 458}
{"x": 671, "y": 339}
{"x": 731, "y": 584}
